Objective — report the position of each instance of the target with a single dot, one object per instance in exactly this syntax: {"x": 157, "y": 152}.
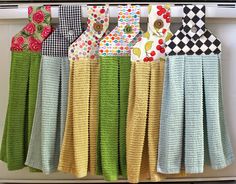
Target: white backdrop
{"x": 225, "y": 30}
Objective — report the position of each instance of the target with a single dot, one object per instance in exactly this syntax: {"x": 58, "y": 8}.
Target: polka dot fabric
{"x": 119, "y": 41}
{"x": 87, "y": 44}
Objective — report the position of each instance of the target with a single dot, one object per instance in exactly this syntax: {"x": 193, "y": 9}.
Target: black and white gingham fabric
{"x": 69, "y": 28}
{"x": 193, "y": 37}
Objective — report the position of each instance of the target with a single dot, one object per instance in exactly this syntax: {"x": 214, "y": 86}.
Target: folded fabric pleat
{"x": 109, "y": 117}
{"x": 155, "y": 98}
{"x": 67, "y": 158}
{"x": 34, "y": 157}
{"x": 172, "y": 117}
{"x": 194, "y": 139}
{"x": 22, "y": 96}
{"x": 124, "y": 75}
{"x": 220, "y": 149}
{"x": 50, "y": 117}
{"x": 80, "y": 101}
{"x": 93, "y": 113}
{"x": 137, "y": 118}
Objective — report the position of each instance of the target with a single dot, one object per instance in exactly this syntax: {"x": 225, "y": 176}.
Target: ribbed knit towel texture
{"x": 145, "y": 94}
{"x": 192, "y": 97}
{"x": 114, "y": 84}
{"x": 78, "y": 154}
{"x": 51, "y": 114}
{"x": 22, "y": 98}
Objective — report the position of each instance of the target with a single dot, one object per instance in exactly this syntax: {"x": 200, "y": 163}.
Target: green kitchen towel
{"x": 114, "y": 87}
{"x": 22, "y": 98}
{"x": 115, "y": 50}
{"x": 124, "y": 75}
{"x": 109, "y": 117}
{"x": 25, "y": 63}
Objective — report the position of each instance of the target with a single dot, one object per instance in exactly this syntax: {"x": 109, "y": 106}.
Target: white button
{"x": 194, "y": 29}
{"x": 71, "y": 32}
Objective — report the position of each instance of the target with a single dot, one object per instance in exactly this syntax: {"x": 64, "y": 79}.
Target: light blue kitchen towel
{"x": 220, "y": 149}
{"x": 192, "y": 96}
{"x": 34, "y": 157}
{"x": 51, "y": 114}
{"x": 193, "y": 108}
{"x": 172, "y": 117}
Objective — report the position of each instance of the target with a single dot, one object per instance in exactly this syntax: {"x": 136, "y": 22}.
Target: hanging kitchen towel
{"x": 192, "y": 100}
{"x": 25, "y": 63}
{"x": 145, "y": 94}
{"x": 78, "y": 154}
{"x": 51, "y": 109}
{"x": 114, "y": 81}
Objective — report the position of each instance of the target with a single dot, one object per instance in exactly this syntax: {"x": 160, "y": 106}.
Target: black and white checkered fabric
{"x": 193, "y": 37}
{"x": 68, "y": 30}
{"x": 194, "y": 17}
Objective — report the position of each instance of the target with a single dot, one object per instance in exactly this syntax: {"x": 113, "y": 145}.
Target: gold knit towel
{"x": 93, "y": 114}
{"x": 78, "y": 154}
{"x": 143, "y": 121}
{"x": 66, "y": 161}
{"x": 136, "y": 121}
{"x": 155, "y": 96}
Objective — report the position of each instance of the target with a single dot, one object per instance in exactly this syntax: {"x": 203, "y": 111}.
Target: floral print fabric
{"x": 31, "y": 36}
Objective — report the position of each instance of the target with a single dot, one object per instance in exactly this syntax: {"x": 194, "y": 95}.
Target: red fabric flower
{"x": 38, "y": 17}
{"x": 48, "y": 8}
{"x": 34, "y": 44}
{"x": 46, "y": 31}
{"x": 30, "y": 28}
{"x": 15, "y": 46}
{"x": 30, "y": 10}
{"x": 20, "y": 40}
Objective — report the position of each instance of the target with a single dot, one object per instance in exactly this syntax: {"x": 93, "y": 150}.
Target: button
{"x": 158, "y": 24}
{"x": 71, "y": 32}
{"x": 97, "y": 27}
{"x": 128, "y": 29}
{"x": 194, "y": 29}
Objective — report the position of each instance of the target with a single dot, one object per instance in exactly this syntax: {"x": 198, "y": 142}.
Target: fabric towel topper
{"x": 124, "y": 35}
{"x": 78, "y": 154}
{"x": 114, "y": 54}
{"x": 192, "y": 129}
{"x": 25, "y": 63}
{"x": 145, "y": 92}
{"x": 51, "y": 108}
